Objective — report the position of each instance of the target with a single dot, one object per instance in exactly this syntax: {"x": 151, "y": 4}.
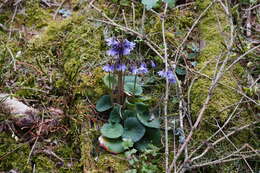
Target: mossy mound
{"x": 212, "y": 38}
{"x": 65, "y": 51}
{"x": 60, "y": 67}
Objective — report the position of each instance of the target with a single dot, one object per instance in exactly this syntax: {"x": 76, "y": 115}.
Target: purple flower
{"x": 161, "y": 73}
{"x": 168, "y": 75}
{"x": 123, "y": 47}
{"x": 153, "y": 64}
{"x": 108, "y": 68}
{"x": 134, "y": 70}
{"x": 142, "y": 69}
{"x": 172, "y": 80}
{"x": 121, "y": 67}
{"x": 112, "y": 41}
{"x": 128, "y": 47}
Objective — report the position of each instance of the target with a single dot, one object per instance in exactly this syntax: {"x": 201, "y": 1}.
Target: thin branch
{"x": 13, "y": 58}
{"x": 242, "y": 56}
{"x": 37, "y": 138}
{"x": 123, "y": 12}
{"x": 234, "y": 146}
{"x": 226, "y": 122}
{"x": 251, "y": 8}
{"x": 10, "y": 30}
{"x": 222, "y": 138}
{"x": 221, "y": 161}
{"x": 133, "y": 11}
{"x": 166, "y": 91}
{"x": 227, "y": 86}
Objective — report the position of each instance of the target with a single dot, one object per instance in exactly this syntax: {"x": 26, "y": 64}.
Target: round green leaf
{"x": 149, "y": 4}
{"x": 152, "y": 136}
{"x": 133, "y": 129}
{"x": 145, "y": 120}
{"x": 104, "y": 103}
{"x": 129, "y": 113}
{"x": 171, "y": 3}
{"x": 110, "y": 80}
{"x": 141, "y": 107}
{"x": 142, "y": 145}
{"x": 115, "y": 114}
{"x": 114, "y": 146}
{"x": 133, "y": 89}
{"x": 132, "y": 79}
{"x": 112, "y": 130}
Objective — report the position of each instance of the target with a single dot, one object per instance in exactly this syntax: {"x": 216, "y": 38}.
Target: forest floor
{"x": 51, "y": 76}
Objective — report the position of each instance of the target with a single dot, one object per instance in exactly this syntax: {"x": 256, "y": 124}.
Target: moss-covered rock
{"x": 212, "y": 39}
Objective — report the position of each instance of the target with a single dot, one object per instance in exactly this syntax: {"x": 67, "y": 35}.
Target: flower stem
{"x": 135, "y": 84}
{"x": 120, "y": 83}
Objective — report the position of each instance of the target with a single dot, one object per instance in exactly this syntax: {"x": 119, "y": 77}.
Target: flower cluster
{"x": 141, "y": 70}
{"x": 134, "y": 69}
{"x": 119, "y": 47}
{"x": 168, "y": 75}
{"x": 108, "y": 68}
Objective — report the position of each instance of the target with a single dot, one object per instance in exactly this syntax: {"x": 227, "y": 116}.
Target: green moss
{"x": 87, "y": 148}
{"x": 35, "y": 15}
{"x": 110, "y": 163}
{"x": 13, "y": 155}
{"x": 44, "y": 164}
{"x": 64, "y": 51}
{"x": 213, "y": 38}
{"x": 62, "y": 61}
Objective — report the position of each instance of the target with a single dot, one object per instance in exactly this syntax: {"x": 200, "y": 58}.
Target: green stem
{"x": 135, "y": 84}
{"x": 120, "y": 87}
{"x": 111, "y": 86}
{"x": 120, "y": 83}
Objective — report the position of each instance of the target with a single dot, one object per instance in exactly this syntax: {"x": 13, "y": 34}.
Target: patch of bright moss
{"x": 65, "y": 50}
{"x": 213, "y": 39}
{"x": 222, "y": 96}
{"x": 107, "y": 162}
{"x": 13, "y": 154}
{"x": 35, "y": 15}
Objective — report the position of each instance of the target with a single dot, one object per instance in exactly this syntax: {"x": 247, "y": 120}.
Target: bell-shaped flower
{"x": 119, "y": 48}
{"x": 108, "y": 68}
{"x": 168, "y": 75}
